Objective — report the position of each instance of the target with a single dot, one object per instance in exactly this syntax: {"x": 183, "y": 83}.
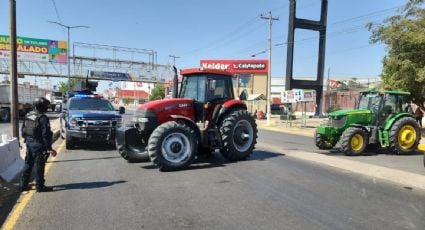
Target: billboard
{"x": 237, "y": 66}
{"x": 117, "y": 76}
{"x": 298, "y": 95}
{"x": 34, "y": 49}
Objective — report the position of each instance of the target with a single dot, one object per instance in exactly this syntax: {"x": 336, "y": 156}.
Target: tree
{"x": 353, "y": 83}
{"x": 63, "y": 86}
{"x": 157, "y": 92}
{"x": 404, "y": 37}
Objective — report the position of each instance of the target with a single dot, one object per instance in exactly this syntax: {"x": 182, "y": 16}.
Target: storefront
{"x": 250, "y": 75}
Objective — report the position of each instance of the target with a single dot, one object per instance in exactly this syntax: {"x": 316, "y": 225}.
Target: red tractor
{"x": 203, "y": 117}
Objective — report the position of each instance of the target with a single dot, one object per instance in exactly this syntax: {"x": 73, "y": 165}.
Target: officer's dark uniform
{"x": 38, "y": 138}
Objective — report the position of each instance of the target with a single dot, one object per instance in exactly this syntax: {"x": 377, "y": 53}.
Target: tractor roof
{"x": 204, "y": 71}
{"x": 386, "y": 92}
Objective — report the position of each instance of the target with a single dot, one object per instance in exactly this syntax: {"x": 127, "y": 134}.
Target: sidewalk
{"x": 402, "y": 169}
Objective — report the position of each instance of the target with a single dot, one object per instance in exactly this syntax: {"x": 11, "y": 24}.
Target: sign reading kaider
{"x": 237, "y": 66}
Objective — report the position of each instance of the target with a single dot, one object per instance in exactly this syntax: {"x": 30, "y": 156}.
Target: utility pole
{"x": 271, "y": 19}
{"x": 13, "y": 71}
{"x": 68, "y": 51}
{"x": 174, "y": 57}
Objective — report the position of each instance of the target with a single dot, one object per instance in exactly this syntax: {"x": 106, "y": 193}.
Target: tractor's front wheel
{"x": 239, "y": 134}
{"x": 354, "y": 141}
{"x": 172, "y": 146}
{"x": 404, "y": 136}
{"x": 322, "y": 142}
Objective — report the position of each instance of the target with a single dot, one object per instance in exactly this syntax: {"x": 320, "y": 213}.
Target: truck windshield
{"x": 91, "y": 104}
{"x": 370, "y": 101}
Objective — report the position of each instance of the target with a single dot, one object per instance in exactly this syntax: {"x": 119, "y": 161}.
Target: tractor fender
{"x": 360, "y": 126}
{"x": 189, "y": 123}
{"x": 393, "y": 119}
{"x": 227, "y": 107}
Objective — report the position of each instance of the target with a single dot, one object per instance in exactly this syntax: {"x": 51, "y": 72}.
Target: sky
{"x": 222, "y": 29}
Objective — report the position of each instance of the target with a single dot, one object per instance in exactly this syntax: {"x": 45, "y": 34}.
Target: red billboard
{"x": 237, "y": 66}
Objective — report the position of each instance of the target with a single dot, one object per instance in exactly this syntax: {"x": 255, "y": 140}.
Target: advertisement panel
{"x": 237, "y": 66}
{"x": 34, "y": 49}
{"x": 298, "y": 95}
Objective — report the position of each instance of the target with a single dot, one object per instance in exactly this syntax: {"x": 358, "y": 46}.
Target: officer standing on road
{"x": 38, "y": 138}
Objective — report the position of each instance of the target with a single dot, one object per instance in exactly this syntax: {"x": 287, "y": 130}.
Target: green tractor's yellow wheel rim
{"x": 357, "y": 142}
{"x": 407, "y": 136}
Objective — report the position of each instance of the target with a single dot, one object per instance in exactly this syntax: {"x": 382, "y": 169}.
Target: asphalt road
{"x": 97, "y": 189}
{"x": 410, "y": 163}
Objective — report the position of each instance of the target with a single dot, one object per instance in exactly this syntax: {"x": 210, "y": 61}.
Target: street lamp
{"x": 69, "y": 61}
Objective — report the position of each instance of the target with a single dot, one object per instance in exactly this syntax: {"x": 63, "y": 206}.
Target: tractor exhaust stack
{"x": 175, "y": 83}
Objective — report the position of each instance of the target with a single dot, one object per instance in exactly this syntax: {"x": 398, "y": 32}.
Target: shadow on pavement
{"x": 87, "y": 185}
{"x": 84, "y": 159}
{"x": 216, "y": 160}
{"x": 369, "y": 152}
{"x": 93, "y": 146}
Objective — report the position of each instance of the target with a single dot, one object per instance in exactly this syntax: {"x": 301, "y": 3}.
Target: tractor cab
{"x": 383, "y": 105}
{"x": 209, "y": 90}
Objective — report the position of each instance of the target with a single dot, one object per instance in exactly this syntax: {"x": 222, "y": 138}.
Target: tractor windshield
{"x": 193, "y": 87}
{"x": 370, "y": 101}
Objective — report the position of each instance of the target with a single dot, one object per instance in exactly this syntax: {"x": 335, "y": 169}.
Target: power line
{"x": 56, "y": 10}
{"x": 365, "y": 16}
{"x": 174, "y": 57}
{"x": 234, "y": 32}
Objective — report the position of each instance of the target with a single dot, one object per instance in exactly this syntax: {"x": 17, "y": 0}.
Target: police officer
{"x": 38, "y": 138}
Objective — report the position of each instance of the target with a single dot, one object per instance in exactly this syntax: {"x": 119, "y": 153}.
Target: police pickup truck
{"x": 87, "y": 117}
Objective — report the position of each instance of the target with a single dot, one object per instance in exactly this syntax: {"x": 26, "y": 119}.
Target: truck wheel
{"x": 4, "y": 115}
{"x": 322, "y": 143}
{"x": 404, "y": 136}
{"x": 69, "y": 143}
{"x": 172, "y": 146}
{"x": 239, "y": 134}
{"x": 354, "y": 141}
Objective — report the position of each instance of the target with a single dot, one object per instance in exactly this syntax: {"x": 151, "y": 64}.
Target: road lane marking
{"x": 13, "y": 217}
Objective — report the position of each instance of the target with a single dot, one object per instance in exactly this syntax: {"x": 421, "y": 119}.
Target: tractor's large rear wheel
{"x": 404, "y": 136}
{"x": 354, "y": 141}
{"x": 322, "y": 142}
{"x": 239, "y": 134}
{"x": 172, "y": 146}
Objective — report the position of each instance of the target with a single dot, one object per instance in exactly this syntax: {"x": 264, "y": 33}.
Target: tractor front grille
{"x": 337, "y": 122}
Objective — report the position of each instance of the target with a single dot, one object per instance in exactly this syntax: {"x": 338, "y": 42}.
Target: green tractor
{"x": 380, "y": 119}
